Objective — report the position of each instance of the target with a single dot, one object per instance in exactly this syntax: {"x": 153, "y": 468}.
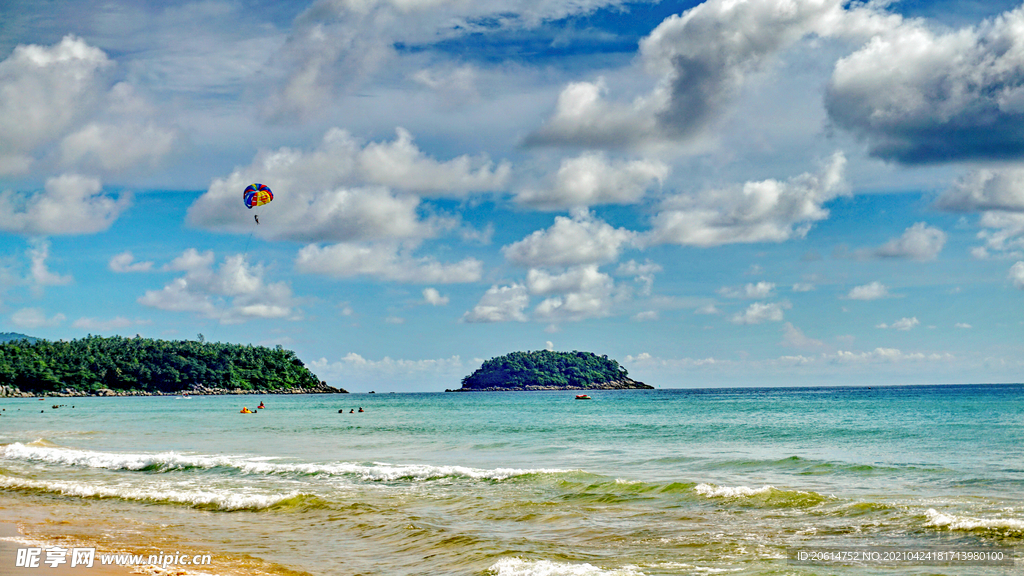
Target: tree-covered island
{"x": 547, "y": 370}
{"x": 116, "y": 366}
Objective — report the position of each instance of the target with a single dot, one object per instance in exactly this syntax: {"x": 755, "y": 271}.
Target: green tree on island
{"x": 146, "y": 365}
{"x": 545, "y": 369}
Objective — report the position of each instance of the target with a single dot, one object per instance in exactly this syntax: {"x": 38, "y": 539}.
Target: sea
{"x": 921, "y": 480}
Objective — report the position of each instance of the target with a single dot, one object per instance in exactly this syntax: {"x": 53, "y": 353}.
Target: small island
{"x": 548, "y": 370}
{"x": 118, "y": 366}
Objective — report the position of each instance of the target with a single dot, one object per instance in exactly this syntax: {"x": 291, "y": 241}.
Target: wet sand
{"x": 10, "y": 542}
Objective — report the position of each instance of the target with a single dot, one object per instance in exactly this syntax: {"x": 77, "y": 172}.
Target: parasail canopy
{"x": 257, "y": 195}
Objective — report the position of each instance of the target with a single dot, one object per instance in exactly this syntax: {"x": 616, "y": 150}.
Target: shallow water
{"x": 631, "y": 482}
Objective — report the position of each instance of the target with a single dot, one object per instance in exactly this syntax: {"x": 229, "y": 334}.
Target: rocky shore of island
{"x": 15, "y": 392}
{"x": 620, "y": 384}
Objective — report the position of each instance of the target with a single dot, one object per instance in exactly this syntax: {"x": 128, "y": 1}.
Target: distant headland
{"x": 548, "y": 370}
{"x": 118, "y": 366}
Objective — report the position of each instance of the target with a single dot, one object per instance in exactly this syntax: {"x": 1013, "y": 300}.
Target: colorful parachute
{"x": 257, "y": 195}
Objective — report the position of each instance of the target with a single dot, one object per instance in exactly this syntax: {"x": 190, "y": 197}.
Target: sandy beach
{"x": 11, "y": 540}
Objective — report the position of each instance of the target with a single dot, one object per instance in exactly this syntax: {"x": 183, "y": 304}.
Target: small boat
{"x": 582, "y": 397}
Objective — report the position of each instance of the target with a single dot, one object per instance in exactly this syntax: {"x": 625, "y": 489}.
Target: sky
{"x": 726, "y": 193}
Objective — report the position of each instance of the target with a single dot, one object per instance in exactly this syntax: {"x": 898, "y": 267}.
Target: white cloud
{"x": 1016, "y": 275}
{"x": 340, "y": 191}
{"x": 43, "y": 92}
{"x": 580, "y": 293}
{"x": 803, "y": 287}
{"x": 886, "y": 355}
{"x": 581, "y": 239}
{"x": 903, "y": 324}
{"x": 97, "y": 325}
{"x": 963, "y": 325}
{"x": 766, "y": 211}
{"x": 117, "y": 147}
{"x": 125, "y": 262}
{"x": 334, "y": 46}
{"x": 985, "y": 189}
{"x": 60, "y": 94}
{"x": 35, "y": 318}
{"x": 500, "y": 304}
{"x": 760, "y": 312}
{"x": 591, "y": 179}
{"x": 919, "y": 96}
{"x": 919, "y": 242}
{"x": 759, "y": 290}
{"x": 702, "y": 59}
{"x": 384, "y": 261}
{"x": 872, "y": 291}
{"x": 795, "y": 338}
{"x": 40, "y": 273}
{"x": 365, "y": 372}
{"x": 68, "y": 204}
{"x": 400, "y": 164}
{"x": 434, "y": 298}
{"x": 233, "y": 293}
{"x": 1003, "y": 234}
{"x": 645, "y": 316}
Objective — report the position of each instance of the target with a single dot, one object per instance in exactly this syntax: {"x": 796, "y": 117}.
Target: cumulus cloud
{"x": 384, "y": 261}
{"x": 434, "y": 298}
{"x": 1003, "y": 234}
{"x": 500, "y": 304}
{"x": 68, "y": 204}
{"x": 60, "y": 95}
{"x": 702, "y": 58}
{"x": 919, "y": 242}
{"x": 581, "y": 239}
{"x": 985, "y": 189}
{"x": 1016, "y": 275}
{"x": 921, "y": 96}
{"x": 872, "y": 291}
{"x": 760, "y": 312}
{"x": 342, "y": 190}
{"x": 903, "y": 324}
{"x": 232, "y": 293}
{"x": 125, "y": 262}
{"x": 44, "y": 90}
{"x": 35, "y": 318}
{"x": 579, "y": 293}
{"x": 592, "y": 179}
{"x": 765, "y": 211}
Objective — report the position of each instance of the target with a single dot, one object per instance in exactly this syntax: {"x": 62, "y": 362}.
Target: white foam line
{"x": 378, "y": 471}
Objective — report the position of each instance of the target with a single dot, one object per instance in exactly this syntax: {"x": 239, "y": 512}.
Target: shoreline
{"x": 6, "y": 392}
{"x": 12, "y": 539}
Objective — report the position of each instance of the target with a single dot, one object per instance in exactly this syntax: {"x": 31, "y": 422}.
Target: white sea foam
{"x": 712, "y": 491}
{"x": 954, "y": 522}
{"x": 521, "y": 567}
{"x": 221, "y": 499}
{"x": 374, "y": 472}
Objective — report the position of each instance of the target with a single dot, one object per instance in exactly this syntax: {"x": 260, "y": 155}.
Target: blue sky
{"x": 760, "y": 193}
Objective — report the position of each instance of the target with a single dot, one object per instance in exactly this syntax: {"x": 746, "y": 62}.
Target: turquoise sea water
{"x": 628, "y": 483}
